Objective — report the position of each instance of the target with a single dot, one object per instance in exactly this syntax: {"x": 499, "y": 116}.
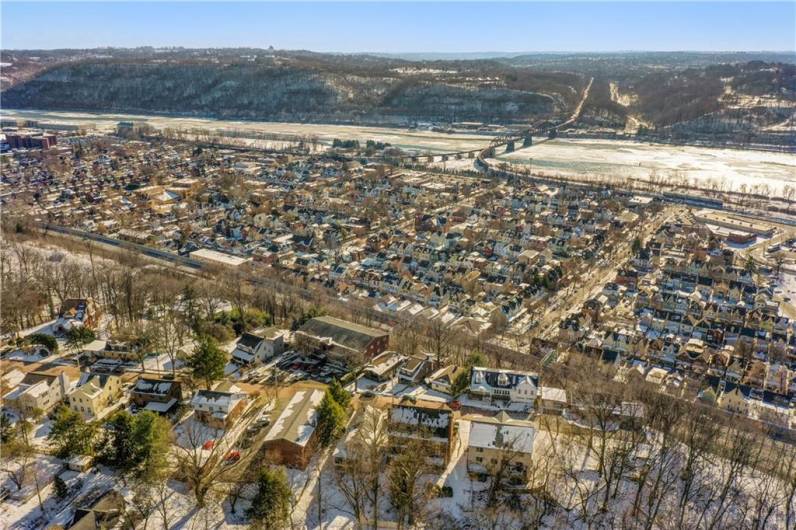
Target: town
{"x": 313, "y": 335}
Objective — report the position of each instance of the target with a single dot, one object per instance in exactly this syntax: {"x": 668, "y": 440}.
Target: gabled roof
{"x": 497, "y": 378}
{"x": 348, "y": 334}
{"x": 298, "y": 420}
{"x": 249, "y": 340}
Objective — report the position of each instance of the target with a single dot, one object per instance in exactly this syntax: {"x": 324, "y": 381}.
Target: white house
{"x": 259, "y": 346}
{"x": 217, "y": 408}
{"x": 40, "y": 393}
{"x": 505, "y": 385}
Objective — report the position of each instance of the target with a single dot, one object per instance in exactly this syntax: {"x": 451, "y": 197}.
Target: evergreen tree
{"x": 70, "y": 434}
{"x": 7, "y": 431}
{"x": 340, "y": 395}
{"x": 636, "y": 246}
{"x": 76, "y": 338}
{"x": 137, "y": 445}
{"x": 331, "y": 420}
{"x": 270, "y": 508}
{"x": 61, "y": 489}
{"x": 45, "y": 340}
{"x": 208, "y": 361}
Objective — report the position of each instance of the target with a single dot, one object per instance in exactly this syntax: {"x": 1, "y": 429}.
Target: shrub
{"x": 220, "y": 332}
{"x": 45, "y": 340}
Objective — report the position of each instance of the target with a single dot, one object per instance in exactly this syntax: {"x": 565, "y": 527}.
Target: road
{"x": 571, "y": 301}
{"x": 579, "y": 108}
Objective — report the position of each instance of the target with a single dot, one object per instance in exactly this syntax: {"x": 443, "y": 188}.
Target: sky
{"x": 405, "y": 27}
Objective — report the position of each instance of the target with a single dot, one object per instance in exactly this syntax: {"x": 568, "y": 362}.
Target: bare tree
{"x": 406, "y": 468}
{"x": 358, "y": 473}
{"x": 205, "y": 466}
{"x": 439, "y": 335}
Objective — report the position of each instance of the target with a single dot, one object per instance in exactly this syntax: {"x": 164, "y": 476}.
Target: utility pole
{"x": 320, "y": 498}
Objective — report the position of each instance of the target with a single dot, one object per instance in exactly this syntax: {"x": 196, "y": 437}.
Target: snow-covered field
{"x": 626, "y": 159}
{"x": 420, "y": 140}
{"x": 787, "y": 285}
{"x": 454, "y": 165}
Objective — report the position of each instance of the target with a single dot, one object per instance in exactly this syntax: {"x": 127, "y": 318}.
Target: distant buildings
{"x": 31, "y": 140}
{"x": 222, "y": 259}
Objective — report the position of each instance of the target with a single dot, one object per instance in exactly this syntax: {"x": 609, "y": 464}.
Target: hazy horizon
{"x": 402, "y": 28}
{"x": 492, "y": 53}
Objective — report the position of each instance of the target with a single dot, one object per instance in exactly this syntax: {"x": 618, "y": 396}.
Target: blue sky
{"x": 405, "y": 27}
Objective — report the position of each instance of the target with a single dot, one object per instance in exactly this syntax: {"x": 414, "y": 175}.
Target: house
{"x": 122, "y": 350}
{"x": 219, "y": 409}
{"x": 552, "y": 400}
{"x": 414, "y": 370}
{"x": 79, "y": 463}
{"x": 259, "y": 346}
{"x": 430, "y": 421}
{"x": 95, "y": 394}
{"x": 75, "y": 313}
{"x": 443, "y": 379}
{"x": 367, "y": 435}
{"x": 501, "y": 442}
{"x": 99, "y": 513}
{"x": 157, "y": 395}
{"x": 340, "y": 339}
{"x": 384, "y": 366}
{"x": 734, "y": 398}
{"x": 292, "y": 438}
{"x": 513, "y": 387}
{"x": 38, "y": 392}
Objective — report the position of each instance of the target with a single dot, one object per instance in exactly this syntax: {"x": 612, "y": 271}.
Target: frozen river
{"x": 619, "y": 159}
{"x": 419, "y": 140}
{"x": 728, "y": 168}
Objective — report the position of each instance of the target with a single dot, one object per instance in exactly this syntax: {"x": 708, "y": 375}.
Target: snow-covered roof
{"x": 158, "y": 387}
{"x": 485, "y": 379}
{"x": 156, "y": 406}
{"x": 206, "y": 400}
{"x": 297, "y": 421}
{"x": 492, "y": 435}
{"x": 437, "y": 420}
{"x": 553, "y": 394}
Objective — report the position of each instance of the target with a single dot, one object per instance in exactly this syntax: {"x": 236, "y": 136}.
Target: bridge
{"x": 508, "y": 142}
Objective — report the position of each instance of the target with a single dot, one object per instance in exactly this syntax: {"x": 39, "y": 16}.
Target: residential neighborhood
{"x": 248, "y": 287}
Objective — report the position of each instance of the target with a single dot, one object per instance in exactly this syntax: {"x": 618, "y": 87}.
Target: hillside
{"x": 299, "y": 87}
{"x": 665, "y": 94}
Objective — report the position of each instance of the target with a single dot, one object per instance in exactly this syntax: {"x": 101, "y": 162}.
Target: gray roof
{"x": 348, "y": 334}
{"x": 250, "y": 340}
